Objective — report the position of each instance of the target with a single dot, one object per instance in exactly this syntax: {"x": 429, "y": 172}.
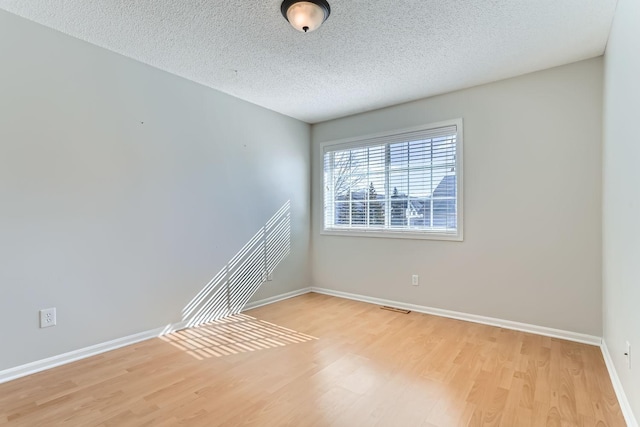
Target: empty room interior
{"x": 320, "y": 213}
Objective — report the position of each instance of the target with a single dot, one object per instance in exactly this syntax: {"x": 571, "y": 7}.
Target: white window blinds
{"x": 406, "y": 182}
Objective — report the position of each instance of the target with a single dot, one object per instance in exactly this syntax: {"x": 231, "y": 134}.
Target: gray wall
{"x": 532, "y": 220}
{"x": 621, "y": 197}
{"x": 116, "y": 223}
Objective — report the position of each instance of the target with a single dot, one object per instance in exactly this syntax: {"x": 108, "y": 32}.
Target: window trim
{"x": 400, "y": 234}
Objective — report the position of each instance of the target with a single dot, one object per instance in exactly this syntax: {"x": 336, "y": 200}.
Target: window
{"x": 402, "y": 184}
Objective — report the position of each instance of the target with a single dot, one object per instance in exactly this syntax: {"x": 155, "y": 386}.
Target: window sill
{"x": 394, "y": 234}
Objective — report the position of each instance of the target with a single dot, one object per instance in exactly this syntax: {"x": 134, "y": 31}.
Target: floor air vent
{"x": 397, "y": 310}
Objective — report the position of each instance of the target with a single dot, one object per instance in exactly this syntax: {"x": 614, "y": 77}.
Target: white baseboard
{"x": 72, "y": 356}
{"x": 507, "y": 324}
{"x": 625, "y": 406}
{"x": 276, "y": 298}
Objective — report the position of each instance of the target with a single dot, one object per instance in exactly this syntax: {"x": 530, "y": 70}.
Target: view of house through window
{"x": 405, "y": 182}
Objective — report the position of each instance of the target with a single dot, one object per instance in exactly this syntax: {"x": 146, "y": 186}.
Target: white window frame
{"x": 406, "y": 234}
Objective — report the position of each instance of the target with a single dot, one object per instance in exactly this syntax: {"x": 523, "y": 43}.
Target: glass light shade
{"x": 305, "y": 16}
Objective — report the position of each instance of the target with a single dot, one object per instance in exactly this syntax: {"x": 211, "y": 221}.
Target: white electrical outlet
{"x": 47, "y": 317}
{"x": 627, "y": 354}
{"x": 415, "y": 280}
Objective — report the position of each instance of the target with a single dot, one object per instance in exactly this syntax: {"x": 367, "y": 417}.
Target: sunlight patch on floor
{"x": 233, "y": 335}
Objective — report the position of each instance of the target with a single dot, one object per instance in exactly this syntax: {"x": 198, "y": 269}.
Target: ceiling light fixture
{"x": 305, "y": 16}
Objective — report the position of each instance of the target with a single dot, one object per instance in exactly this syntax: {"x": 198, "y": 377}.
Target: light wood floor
{"x": 316, "y": 360}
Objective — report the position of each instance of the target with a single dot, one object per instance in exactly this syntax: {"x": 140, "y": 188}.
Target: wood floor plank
{"x": 316, "y": 360}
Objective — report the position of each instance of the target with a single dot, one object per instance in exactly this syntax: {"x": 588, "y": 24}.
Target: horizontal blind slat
{"x": 444, "y": 132}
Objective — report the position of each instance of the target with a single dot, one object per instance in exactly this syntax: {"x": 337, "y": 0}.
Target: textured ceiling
{"x": 369, "y": 54}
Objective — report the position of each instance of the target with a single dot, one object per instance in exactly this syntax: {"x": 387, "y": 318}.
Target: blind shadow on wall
{"x": 234, "y": 285}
